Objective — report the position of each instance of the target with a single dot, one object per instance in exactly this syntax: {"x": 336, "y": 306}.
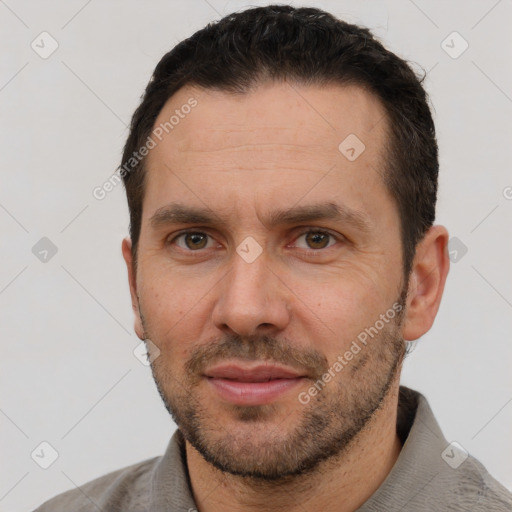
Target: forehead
{"x": 279, "y": 139}
{"x": 318, "y": 115}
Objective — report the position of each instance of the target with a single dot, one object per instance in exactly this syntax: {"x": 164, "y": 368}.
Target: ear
{"x": 126, "y": 247}
{"x": 426, "y": 283}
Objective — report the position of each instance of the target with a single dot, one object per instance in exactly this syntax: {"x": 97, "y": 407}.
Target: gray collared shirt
{"x": 429, "y": 475}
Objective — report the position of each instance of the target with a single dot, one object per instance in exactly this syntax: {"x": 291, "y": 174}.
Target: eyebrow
{"x": 177, "y": 213}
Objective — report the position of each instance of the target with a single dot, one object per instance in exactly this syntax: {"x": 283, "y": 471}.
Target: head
{"x": 281, "y": 221}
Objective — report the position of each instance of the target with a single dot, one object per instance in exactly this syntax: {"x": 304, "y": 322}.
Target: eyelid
{"x": 172, "y": 238}
{"x": 315, "y": 229}
{"x": 303, "y": 231}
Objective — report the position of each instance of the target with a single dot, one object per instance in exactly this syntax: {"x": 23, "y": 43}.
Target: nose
{"x": 251, "y": 299}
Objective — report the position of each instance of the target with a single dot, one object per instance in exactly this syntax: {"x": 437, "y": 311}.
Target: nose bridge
{"x": 248, "y": 280}
{"x": 250, "y": 296}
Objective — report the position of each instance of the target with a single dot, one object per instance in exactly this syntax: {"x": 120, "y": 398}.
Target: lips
{"x": 260, "y": 373}
{"x": 252, "y": 385}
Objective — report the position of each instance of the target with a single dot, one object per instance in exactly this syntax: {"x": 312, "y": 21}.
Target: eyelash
{"x": 338, "y": 238}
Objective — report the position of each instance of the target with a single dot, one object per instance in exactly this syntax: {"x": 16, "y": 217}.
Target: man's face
{"x": 256, "y": 301}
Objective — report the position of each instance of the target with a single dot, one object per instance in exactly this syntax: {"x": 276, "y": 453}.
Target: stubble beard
{"x": 252, "y": 444}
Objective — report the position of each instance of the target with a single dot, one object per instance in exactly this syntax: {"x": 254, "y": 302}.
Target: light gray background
{"x": 68, "y": 374}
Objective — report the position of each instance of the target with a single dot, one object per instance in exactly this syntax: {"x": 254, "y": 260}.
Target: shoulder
{"x": 473, "y": 487}
{"x": 432, "y": 474}
{"x": 126, "y": 489}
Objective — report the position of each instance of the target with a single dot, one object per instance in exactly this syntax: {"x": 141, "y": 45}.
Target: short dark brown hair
{"x": 306, "y": 46}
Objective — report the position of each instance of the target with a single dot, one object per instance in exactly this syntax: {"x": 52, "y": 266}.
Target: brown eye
{"x": 195, "y": 240}
{"x": 317, "y": 239}
{"x": 192, "y": 240}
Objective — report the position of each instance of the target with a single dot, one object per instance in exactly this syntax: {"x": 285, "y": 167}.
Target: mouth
{"x": 258, "y": 384}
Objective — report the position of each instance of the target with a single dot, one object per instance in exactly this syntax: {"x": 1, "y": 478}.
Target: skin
{"x": 241, "y": 157}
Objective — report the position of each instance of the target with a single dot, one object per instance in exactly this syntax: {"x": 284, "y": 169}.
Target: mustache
{"x": 256, "y": 348}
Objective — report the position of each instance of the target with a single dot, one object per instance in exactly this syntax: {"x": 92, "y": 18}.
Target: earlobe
{"x": 426, "y": 283}
{"x": 126, "y": 248}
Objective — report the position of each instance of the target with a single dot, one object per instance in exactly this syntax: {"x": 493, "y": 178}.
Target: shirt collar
{"x": 427, "y": 471}
{"x": 419, "y": 473}
{"x": 170, "y": 485}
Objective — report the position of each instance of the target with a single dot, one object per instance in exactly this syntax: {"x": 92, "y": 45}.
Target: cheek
{"x": 338, "y": 310}
{"x": 341, "y": 298}
{"x": 170, "y": 310}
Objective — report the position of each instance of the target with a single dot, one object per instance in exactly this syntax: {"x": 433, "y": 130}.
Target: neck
{"x": 341, "y": 484}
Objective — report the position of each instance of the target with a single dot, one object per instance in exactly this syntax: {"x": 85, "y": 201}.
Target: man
{"x": 281, "y": 175}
